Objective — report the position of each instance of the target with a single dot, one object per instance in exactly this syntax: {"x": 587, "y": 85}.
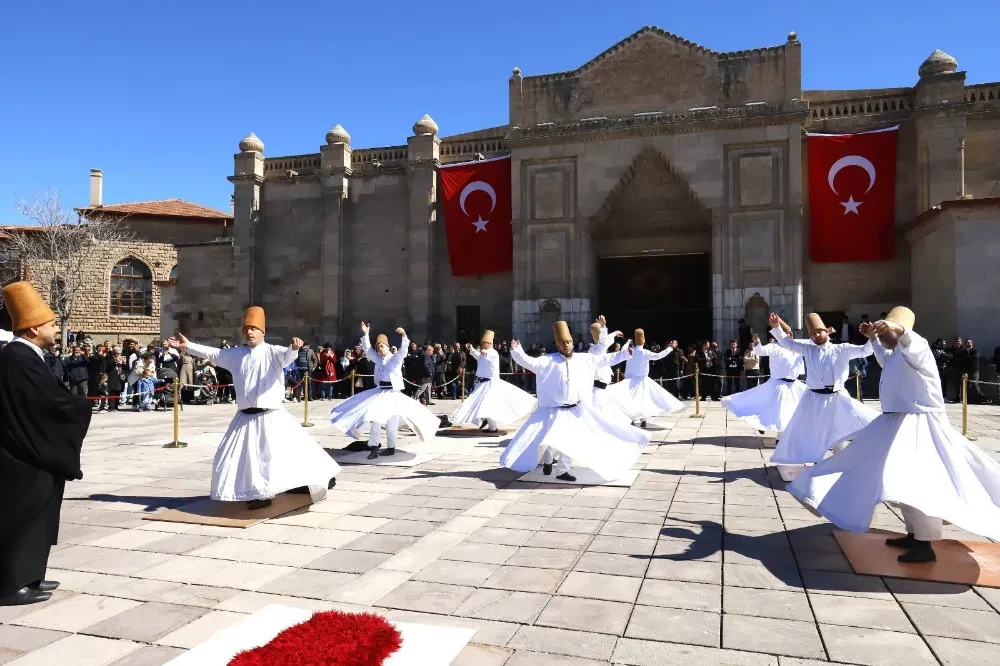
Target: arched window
{"x": 131, "y": 289}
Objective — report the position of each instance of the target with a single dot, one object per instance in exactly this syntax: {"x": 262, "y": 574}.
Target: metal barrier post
{"x": 352, "y": 383}
{"x": 305, "y": 417}
{"x": 857, "y": 377}
{"x": 965, "y": 409}
{"x": 697, "y": 394}
{"x": 462, "y": 386}
{"x": 176, "y": 444}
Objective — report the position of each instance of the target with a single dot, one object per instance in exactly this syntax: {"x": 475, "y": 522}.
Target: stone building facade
{"x": 662, "y": 184}
{"x": 128, "y": 291}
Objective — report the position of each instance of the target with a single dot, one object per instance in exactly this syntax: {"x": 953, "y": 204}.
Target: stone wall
{"x": 209, "y": 305}
{"x": 982, "y": 156}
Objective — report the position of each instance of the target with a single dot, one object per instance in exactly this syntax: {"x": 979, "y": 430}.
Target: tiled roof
{"x": 163, "y": 208}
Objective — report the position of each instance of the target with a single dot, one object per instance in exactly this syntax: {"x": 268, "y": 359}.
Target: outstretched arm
{"x": 404, "y": 344}
{"x": 210, "y": 354}
{"x": 523, "y": 360}
{"x": 614, "y": 359}
{"x": 663, "y": 353}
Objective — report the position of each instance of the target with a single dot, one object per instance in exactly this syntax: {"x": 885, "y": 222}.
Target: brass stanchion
{"x": 176, "y": 444}
{"x": 618, "y": 376}
{"x": 462, "y": 384}
{"x": 965, "y": 409}
{"x": 352, "y": 383}
{"x": 305, "y": 416}
{"x": 697, "y": 395}
{"x": 857, "y": 391}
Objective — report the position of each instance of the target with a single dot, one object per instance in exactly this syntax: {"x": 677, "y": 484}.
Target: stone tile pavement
{"x": 704, "y": 560}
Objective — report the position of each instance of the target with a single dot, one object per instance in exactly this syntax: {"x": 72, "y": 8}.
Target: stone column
{"x": 514, "y": 103}
{"x": 247, "y": 179}
{"x": 423, "y": 159}
{"x": 940, "y": 129}
{"x": 335, "y": 172}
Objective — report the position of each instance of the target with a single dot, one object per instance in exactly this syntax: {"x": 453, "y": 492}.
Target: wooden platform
{"x": 472, "y": 432}
{"x": 230, "y": 514}
{"x": 967, "y": 562}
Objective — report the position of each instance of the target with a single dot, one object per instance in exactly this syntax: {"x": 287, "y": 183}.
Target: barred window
{"x": 131, "y": 289}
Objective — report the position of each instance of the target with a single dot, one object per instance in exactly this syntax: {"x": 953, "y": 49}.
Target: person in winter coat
{"x": 76, "y": 371}
{"x": 326, "y": 372}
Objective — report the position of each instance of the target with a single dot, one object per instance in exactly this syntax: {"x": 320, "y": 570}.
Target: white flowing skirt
{"x": 820, "y": 421}
{"x": 496, "y": 399}
{"x": 643, "y": 398}
{"x": 264, "y": 454}
{"x": 590, "y": 439}
{"x": 378, "y": 406}
{"x": 768, "y": 407}
{"x": 914, "y": 459}
{"x": 611, "y": 406}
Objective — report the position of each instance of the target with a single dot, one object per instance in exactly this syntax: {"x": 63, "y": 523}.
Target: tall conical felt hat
{"x": 595, "y": 331}
{"x": 903, "y": 316}
{"x": 560, "y": 330}
{"x": 254, "y": 318}
{"x": 26, "y": 307}
{"x": 640, "y": 337}
{"x": 487, "y": 336}
{"x": 814, "y": 323}
{"x": 382, "y": 339}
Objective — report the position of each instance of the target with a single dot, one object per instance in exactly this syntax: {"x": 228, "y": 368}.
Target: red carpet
{"x": 328, "y": 639}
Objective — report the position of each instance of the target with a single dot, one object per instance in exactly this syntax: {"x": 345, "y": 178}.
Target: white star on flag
{"x": 480, "y": 224}
{"x": 851, "y": 206}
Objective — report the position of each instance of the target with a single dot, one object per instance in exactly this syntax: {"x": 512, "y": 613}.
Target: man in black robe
{"x": 42, "y": 427}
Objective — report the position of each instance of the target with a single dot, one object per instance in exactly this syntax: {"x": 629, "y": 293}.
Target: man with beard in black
{"x": 42, "y": 426}
{"x": 706, "y": 359}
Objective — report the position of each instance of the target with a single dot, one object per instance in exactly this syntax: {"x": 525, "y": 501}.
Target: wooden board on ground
{"x": 230, "y": 514}
{"x": 423, "y": 644}
{"x": 455, "y": 431}
{"x": 400, "y": 459}
{"x": 967, "y": 562}
{"x": 584, "y": 477}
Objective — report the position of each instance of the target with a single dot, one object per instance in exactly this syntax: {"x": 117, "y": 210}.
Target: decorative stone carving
{"x": 793, "y": 36}
{"x": 425, "y": 125}
{"x": 548, "y": 194}
{"x": 756, "y": 313}
{"x": 938, "y": 62}
{"x": 756, "y": 180}
{"x": 517, "y": 71}
{"x": 251, "y": 144}
{"x": 338, "y": 135}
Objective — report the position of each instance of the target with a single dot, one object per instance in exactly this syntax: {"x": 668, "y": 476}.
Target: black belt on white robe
{"x": 255, "y": 410}
{"x": 599, "y": 384}
{"x": 568, "y": 406}
{"x": 480, "y": 380}
{"x": 785, "y": 379}
{"x": 826, "y": 390}
{"x": 385, "y": 386}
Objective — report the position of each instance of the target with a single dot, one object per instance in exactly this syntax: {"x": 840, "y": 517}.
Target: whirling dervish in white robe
{"x": 827, "y": 414}
{"x": 603, "y": 400}
{"x": 565, "y": 423}
{"x": 384, "y": 406}
{"x": 494, "y": 400}
{"x": 770, "y": 406}
{"x": 641, "y": 396}
{"x": 265, "y": 451}
{"x": 909, "y": 455}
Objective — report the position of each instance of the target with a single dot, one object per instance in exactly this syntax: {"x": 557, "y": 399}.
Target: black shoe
{"x": 373, "y": 454}
{"x": 566, "y": 476}
{"x": 546, "y": 468}
{"x": 920, "y": 552}
{"x": 387, "y": 452}
{"x": 44, "y": 585}
{"x": 333, "y": 482}
{"x": 258, "y": 504}
{"x": 761, "y": 431}
{"x": 25, "y": 596}
{"x": 642, "y": 424}
{"x": 483, "y": 426}
{"x": 902, "y": 542}
{"x": 301, "y": 490}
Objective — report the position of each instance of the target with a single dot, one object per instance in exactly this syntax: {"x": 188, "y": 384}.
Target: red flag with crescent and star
{"x": 476, "y": 204}
{"x": 852, "y": 196}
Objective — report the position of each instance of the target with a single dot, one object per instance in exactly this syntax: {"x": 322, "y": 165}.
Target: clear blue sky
{"x": 159, "y": 94}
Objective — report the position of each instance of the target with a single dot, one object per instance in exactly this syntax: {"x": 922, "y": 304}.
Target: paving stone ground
{"x": 703, "y": 560}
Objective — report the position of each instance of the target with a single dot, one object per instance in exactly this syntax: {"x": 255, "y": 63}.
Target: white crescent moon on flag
{"x": 480, "y": 186}
{"x": 848, "y": 161}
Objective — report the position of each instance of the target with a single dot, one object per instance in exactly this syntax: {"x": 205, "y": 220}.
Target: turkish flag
{"x": 476, "y": 197}
{"x": 852, "y": 196}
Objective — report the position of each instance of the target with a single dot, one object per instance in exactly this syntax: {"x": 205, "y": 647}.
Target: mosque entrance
{"x": 669, "y": 296}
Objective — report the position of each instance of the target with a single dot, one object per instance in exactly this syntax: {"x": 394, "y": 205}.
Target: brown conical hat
{"x": 382, "y": 339}
{"x": 903, "y": 316}
{"x": 814, "y": 323}
{"x": 26, "y": 307}
{"x": 640, "y": 337}
{"x": 560, "y": 330}
{"x": 595, "y": 331}
{"x": 487, "y": 336}
{"x": 254, "y": 318}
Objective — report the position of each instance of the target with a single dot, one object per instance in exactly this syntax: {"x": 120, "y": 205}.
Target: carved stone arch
{"x": 755, "y": 312}
{"x": 550, "y": 306}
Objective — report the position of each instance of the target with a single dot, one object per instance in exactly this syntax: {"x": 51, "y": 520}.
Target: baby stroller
{"x": 204, "y": 392}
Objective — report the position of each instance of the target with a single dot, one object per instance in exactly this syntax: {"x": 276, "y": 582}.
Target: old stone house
{"x": 662, "y": 183}
{"x": 129, "y": 289}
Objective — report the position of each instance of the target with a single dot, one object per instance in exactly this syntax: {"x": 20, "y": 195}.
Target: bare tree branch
{"x": 59, "y": 246}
